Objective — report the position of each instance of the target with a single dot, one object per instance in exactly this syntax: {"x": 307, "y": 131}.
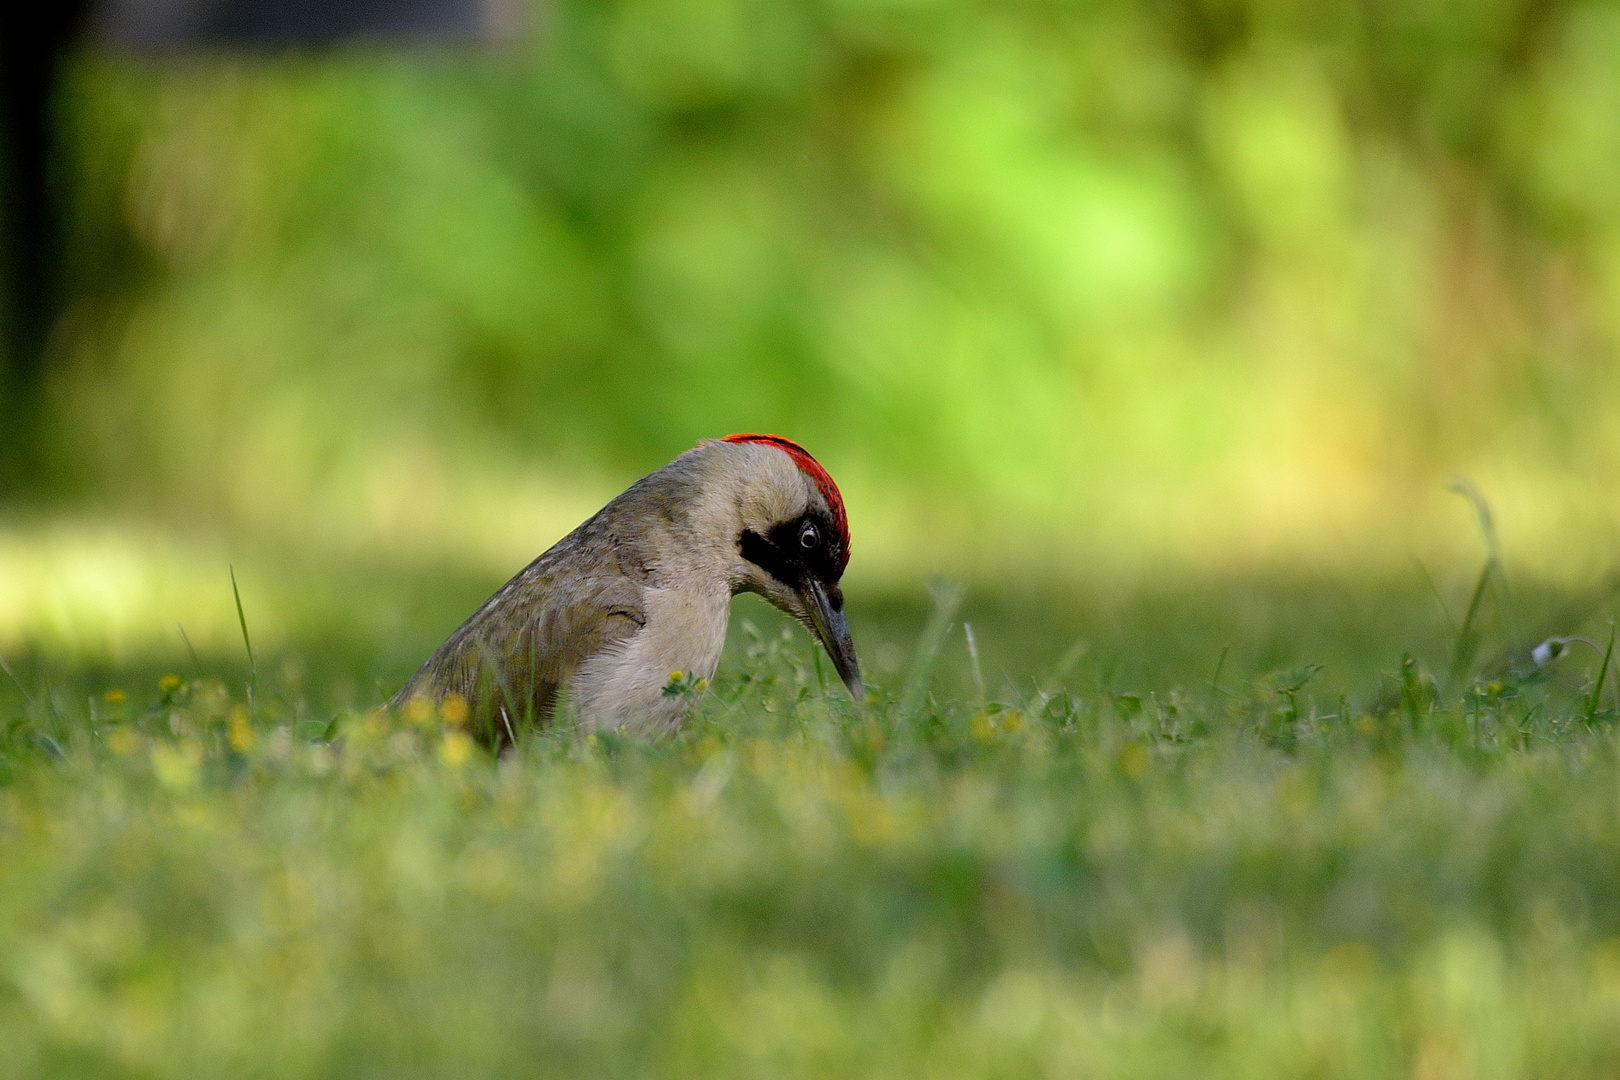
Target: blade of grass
{"x": 241, "y": 618}
{"x": 1463, "y": 486}
{"x": 947, "y": 598}
{"x": 1603, "y": 671}
{"x": 1215, "y": 680}
{"x": 1462, "y": 656}
{"x": 27, "y": 697}
{"x": 1493, "y": 548}
{"x": 1065, "y": 665}
{"x": 1468, "y": 636}
{"x": 1434, "y": 590}
{"x": 194, "y": 658}
{"x": 508, "y": 703}
{"x": 973, "y": 662}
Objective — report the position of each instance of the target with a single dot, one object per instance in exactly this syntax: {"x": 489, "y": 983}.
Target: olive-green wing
{"x": 511, "y": 659}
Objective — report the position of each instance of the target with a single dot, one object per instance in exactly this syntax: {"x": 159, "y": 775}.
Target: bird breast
{"x": 623, "y": 687}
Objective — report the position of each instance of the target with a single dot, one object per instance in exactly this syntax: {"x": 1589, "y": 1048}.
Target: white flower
{"x": 1548, "y": 651}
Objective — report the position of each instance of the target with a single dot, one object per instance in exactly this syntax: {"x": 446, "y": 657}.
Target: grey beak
{"x": 832, "y": 629}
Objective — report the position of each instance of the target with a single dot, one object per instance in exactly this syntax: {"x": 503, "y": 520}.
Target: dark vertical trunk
{"x": 33, "y": 41}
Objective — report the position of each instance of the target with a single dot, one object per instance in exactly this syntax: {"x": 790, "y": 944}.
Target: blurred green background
{"x": 1084, "y": 304}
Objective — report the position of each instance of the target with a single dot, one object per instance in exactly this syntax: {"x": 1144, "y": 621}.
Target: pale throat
{"x": 686, "y": 630}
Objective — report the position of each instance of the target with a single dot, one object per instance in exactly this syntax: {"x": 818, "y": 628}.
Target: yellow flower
{"x": 239, "y": 731}
{"x": 453, "y": 709}
{"x": 169, "y": 683}
{"x": 418, "y": 709}
{"x": 980, "y": 727}
{"x": 177, "y": 766}
{"x": 123, "y": 741}
{"x": 116, "y": 697}
{"x": 1134, "y": 759}
{"x": 455, "y": 749}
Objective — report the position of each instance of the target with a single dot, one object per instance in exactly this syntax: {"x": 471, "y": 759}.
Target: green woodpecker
{"x": 640, "y": 594}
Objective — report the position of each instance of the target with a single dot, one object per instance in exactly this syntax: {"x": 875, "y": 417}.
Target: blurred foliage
{"x": 210, "y": 876}
{"x": 1218, "y": 282}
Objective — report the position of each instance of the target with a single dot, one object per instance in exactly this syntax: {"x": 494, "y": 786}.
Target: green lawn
{"x": 1088, "y": 869}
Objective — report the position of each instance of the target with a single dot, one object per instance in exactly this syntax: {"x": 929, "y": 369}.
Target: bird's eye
{"x": 809, "y": 536}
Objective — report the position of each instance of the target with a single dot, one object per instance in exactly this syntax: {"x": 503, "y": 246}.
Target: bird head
{"x": 793, "y": 541}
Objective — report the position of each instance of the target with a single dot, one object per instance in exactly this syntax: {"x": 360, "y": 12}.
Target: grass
{"x": 1236, "y": 875}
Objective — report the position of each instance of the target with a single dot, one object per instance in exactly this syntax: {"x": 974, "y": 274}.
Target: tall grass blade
{"x": 1491, "y": 579}
{"x": 194, "y": 658}
{"x": 973, "y": 663}
{"x": 1065, "y": 666}
{"x": 1462, "y": 657}
{"x": 947, "y": 598}
{"x": 1434, "y": 590}
{"x": 492, "y": 670}
{"x": 1220, "y": 665}
{"x": 1603, "y": 671}
{"x": 241, "y": 619}
{"x": 1463, "y": 486}
{"x": 27, "y": 697}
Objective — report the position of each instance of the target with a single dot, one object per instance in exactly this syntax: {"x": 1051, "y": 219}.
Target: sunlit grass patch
{"x": 1223, "y": 879}
{"x": 109, "y": 591}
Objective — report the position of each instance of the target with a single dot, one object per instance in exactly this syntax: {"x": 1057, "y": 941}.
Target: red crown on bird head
{"x": 811, "y": 468}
